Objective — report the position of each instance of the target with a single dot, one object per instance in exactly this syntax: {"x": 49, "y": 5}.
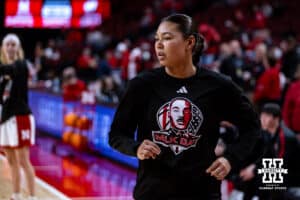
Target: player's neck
{"x": 181, "y": 71}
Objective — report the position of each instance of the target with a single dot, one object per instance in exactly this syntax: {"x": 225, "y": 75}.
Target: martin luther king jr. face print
{"x": 179, "y": 121}
{"x": 180, "y": 113}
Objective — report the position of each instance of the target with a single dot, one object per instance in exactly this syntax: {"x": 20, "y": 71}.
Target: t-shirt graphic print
{"x": 179, "y": 121}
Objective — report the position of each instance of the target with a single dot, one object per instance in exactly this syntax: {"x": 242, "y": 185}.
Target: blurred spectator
{"x": 110, "y": 90}
{"x": 260, "y": 63}
{"x": 258, "y": 37}
{"x": 233, "y": 30}
{"x": 239, "y": 18}
{"x": 74, "y": 36}
{"x": 170, "y": 6}
{"x": 147, "y": 21}
{"x": 39, "y": 62}
{"x": 104, "y": 68}
{"x": 87, "y": 65}
{"x": 72, "y": 87}
{"x": 146, "y": 57}
{"x": 52, "y": 55}
{"x": 257, "y": 19}
{"x": 268, "y": 87}
{"x": 148, "y": 18}
{"x": 51, "y": 52}
{"x": 97, "y": 40}
{"x": 224, "y": 53}
{"x": 123, "y": 52}
{"x": 234, "y": 65}
{"x": 267, "y": 9}
{"x": 96, "y": 87}
{"x": 112, "y": 59}
{"x": 232, "y": 2}
{"x": 212, "y": 39}
{"x": 32, "y": 81}
{"x": 291, "y": 55}
{"x": 135, "y": 63}
{"x": 291, "y": 108}
{"x": 114, "y": 64}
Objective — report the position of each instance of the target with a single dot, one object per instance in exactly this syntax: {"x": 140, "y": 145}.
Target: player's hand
{"x": 220, "y": 168}
{"x": 148, "y": 149}
{"x": 248, "y": 173}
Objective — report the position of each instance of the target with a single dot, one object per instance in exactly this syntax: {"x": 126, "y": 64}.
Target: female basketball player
{"x": 177, "y": 110}
{"x": 17, "y": 128}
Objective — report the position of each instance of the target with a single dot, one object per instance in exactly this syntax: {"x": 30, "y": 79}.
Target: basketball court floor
{"x": 65, "y": 174}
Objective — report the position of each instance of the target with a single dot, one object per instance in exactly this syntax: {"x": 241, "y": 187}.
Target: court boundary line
{"x": 104, "y": 198}
{"x": 51, "y": 189}
{"x": 45, "y": 185}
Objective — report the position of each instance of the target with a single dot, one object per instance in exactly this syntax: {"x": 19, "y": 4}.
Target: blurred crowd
{"x": 240, "y": 45}
{"x": 240, "y": 42}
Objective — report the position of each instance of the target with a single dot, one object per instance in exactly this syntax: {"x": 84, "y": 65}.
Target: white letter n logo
{"x": 25, "y": 134}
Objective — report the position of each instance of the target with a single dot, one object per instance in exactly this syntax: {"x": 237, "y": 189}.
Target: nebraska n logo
{"x": 25, "y": 134}
{"x": 272, "y": 170}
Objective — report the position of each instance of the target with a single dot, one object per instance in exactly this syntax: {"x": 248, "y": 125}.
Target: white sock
{"x": 16, "y": 196}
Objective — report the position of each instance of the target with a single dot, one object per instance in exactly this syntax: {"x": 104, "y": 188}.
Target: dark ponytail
{"x": 198, "y": 48}
{"x": 187, "y": 28}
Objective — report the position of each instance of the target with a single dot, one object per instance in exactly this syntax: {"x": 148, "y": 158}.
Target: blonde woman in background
{"x": 17, "y": 126}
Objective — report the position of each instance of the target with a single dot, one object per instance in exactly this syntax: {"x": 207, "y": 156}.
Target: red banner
{"x": 56, "y": 14}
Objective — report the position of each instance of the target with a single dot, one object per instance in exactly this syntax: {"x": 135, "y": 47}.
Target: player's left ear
{"x": 190, "y": 42}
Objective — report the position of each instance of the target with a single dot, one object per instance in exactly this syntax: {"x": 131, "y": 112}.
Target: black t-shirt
{"x": 14, "y": 91}
{"x": 182, "y": 116}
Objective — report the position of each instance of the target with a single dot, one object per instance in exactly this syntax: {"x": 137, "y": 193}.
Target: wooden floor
{"x": 43, "y": 190}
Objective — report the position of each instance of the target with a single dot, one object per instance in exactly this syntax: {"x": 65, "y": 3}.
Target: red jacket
{"x": 73, "y": 92}
{"x": 291, "y": 107}
{"x": 268, "y": 86}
